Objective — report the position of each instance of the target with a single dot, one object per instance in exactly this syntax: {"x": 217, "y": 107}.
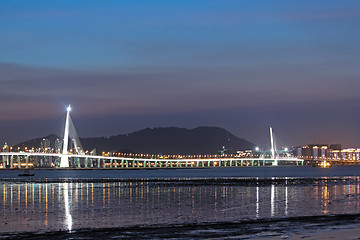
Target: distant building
{"x": 45, "y": 145}
{"x": 313, "y": 152}
{"x": 350, "y": 154}
{"x": 58, "y": 145}
{"x": 244, "y": 154}
{"x": 327, "y": 152}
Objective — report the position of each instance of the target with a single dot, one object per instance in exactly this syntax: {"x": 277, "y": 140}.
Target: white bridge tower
{"x": 273, "y": 156}
{"x": 64, "y": 163}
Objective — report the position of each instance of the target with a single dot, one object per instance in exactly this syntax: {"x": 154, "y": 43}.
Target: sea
{"x": 282, "y": 202}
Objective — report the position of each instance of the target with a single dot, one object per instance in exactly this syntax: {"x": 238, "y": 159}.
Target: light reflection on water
{"x": 46, "y": 206}
{"x": 68, "y": 218}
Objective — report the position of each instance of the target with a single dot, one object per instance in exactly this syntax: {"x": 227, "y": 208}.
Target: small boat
{"x": 26, "y": 173}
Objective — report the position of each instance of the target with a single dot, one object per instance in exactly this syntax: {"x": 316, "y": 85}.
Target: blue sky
{"x": 127, "y": 65}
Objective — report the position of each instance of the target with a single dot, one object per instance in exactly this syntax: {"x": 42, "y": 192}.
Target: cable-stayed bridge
{"x": 63, "y": 158}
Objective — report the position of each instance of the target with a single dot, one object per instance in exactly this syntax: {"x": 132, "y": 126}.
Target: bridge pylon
{"x": 273, "y": 156}
{"x": 64, "y": 163}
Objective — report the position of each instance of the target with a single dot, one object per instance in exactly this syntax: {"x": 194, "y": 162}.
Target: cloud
{"x": 303, "y": 101}
{"x": 31, "y": 92}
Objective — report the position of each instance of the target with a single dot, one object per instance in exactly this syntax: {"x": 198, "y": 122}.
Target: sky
{"x": 127, "y": 65}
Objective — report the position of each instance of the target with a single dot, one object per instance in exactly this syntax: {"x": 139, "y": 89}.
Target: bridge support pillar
{"x": 116, "y": 165}
{"x": 98, "y": 165}
{"x": 19, "y": 161}
{"x": 11, "y": 161}
{"x": 26, "y": 161}
{"x": 5, "y": 160}
{"x": 111, "y": 163}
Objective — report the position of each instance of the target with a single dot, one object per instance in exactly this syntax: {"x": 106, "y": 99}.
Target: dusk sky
{"x": 127, "y": 65}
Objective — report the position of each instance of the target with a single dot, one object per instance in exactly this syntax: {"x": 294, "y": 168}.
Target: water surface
{"x": 70, "y": 200}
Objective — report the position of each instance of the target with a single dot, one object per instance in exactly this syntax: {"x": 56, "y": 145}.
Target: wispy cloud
{"x": 25, "y": 89}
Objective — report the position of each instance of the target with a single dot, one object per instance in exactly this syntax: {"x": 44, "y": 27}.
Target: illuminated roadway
{"x": 89, "y": 161}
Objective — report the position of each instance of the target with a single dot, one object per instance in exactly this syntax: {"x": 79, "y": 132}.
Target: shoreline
{"x": 342, "y": 226}
{"x": 240, "y": 181}
{"x": 151, "y": 168}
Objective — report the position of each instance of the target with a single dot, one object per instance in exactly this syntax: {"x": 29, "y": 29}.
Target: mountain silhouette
{"x": 162, "y": 140}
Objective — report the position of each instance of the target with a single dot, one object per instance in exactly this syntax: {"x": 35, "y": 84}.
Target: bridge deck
{"x": 15, "y": 159}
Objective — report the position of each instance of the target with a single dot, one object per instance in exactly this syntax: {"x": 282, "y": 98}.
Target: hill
{"x": 169, "y": 140}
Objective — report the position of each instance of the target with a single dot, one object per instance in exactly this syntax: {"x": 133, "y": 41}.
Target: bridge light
{"x": 69, "y": 108}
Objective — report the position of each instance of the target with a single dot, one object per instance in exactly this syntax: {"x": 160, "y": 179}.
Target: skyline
{"x": 124, "y": 66}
